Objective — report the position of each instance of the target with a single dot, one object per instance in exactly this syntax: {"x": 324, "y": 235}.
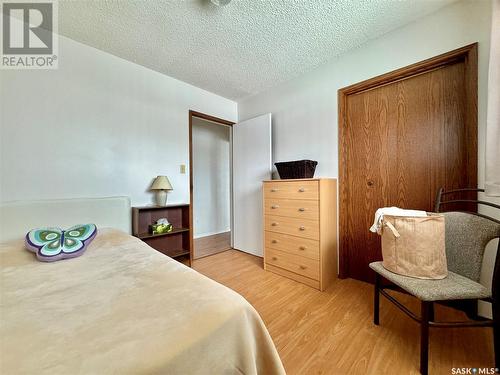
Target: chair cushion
{"x": 452, "y": 287}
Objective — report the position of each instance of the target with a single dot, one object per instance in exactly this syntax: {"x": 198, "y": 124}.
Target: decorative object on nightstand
{"x": 300, "y": 230}
{"x": 161, "y": 226}
{"x": 161, "y": 185}
{"x": 176, "y": 243}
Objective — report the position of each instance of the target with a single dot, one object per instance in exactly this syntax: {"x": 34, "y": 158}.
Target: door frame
{"x": 467, "y": 54}
{"x": 215, "y": 121}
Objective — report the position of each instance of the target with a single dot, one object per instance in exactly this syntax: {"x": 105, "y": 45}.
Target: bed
{"x": 123, "y": 308}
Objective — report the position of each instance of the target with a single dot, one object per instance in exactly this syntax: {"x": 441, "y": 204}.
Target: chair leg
{"x": 496, "y": 332}
{"x": 424, "y": 337}
{"x": 376, "y": 300}
{"x": 431, "y": 311}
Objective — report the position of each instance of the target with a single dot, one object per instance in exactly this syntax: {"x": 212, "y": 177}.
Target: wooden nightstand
{"x": 175, "y": 244}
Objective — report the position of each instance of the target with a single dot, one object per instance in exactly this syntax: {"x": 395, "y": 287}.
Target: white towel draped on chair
{"x": 395, "y": 211}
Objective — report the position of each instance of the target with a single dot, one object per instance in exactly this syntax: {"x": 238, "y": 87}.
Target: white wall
{"x": 97, "y": 126}
{"x": 305, "y": 122}
{"x": 211, "y": 178}
{"x": 305, "y": 109}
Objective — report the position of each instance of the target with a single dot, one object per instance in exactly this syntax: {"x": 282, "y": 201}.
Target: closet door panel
{"x": 400, "y": 141}
{"x": 371, "y": 141}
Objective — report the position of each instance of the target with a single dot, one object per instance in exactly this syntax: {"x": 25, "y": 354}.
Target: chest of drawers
{"x": 300, "y": 230}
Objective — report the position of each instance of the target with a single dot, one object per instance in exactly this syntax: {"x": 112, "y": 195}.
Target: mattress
{"x": 124, "y": 308}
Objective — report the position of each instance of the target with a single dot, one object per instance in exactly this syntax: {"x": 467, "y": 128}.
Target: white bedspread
{"x": 124, "y": 308}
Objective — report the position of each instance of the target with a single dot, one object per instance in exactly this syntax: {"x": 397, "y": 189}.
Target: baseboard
{"x": 210, "y": 234}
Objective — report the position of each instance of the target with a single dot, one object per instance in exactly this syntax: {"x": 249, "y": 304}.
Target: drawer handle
{"x": 274, "y": 224}
{"x": 302, "y": 209}
{"x": 302, "y": 267}
{"x": 302, "y": 248}
{"x": 301, "y": 190}
{"x": 275, "y": 206}
{"x": 274, "y": 258}
{"x": 302, "y": 228}
{"x": 274, "y": 190}
{"x": 274, "y": 241}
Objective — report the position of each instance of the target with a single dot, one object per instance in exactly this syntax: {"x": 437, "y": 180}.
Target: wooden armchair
{"x": 467, "y": 234}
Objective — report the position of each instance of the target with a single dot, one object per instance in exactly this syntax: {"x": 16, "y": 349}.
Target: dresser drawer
{"x": 302, "y": 266}
{"x": 293, "y": 245}
{"x": 294, "y": 226}
{"x": 294, "y": 276}
{"x": 303, "y": 208}
{"x": 292, "y": 190}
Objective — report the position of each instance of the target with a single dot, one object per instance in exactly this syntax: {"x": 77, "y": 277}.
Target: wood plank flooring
{"x": 210, "y": 245}
{"x": 332, "y": 332}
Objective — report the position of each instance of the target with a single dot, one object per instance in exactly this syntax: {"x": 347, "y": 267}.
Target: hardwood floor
{"x": 210, "y": 245}
{"x": 332, "y": 332}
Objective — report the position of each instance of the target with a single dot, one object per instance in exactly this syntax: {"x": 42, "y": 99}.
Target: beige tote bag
{"x": 414, "y": 246}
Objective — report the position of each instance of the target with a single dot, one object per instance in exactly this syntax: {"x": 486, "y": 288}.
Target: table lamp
{"x": 160, "y": 185}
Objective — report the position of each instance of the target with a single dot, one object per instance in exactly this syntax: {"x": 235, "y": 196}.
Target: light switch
{"x": 183, "y": 168}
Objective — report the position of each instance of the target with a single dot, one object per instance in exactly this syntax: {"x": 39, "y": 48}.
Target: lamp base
{"x": 161, "y": 198}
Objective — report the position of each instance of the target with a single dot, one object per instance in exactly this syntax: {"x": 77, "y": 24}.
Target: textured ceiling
{"x": 240, "y": 49}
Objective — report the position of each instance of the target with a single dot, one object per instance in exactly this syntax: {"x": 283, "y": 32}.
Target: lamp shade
{"x": 161, "y": 183}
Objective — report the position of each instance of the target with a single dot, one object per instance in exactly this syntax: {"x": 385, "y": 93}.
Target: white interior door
{"x": 251, "y": 165}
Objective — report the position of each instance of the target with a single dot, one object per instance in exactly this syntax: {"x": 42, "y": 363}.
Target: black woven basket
{"x": 296, "y": 169}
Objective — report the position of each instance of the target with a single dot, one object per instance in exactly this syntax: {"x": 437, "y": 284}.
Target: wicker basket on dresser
{"x": 300, "y": 229}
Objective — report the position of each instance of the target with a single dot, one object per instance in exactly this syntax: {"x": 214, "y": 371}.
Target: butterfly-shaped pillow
{"x": 51, "y": 244}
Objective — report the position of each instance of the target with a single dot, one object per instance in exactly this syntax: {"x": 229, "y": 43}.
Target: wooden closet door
{"x": 400, "y": 142}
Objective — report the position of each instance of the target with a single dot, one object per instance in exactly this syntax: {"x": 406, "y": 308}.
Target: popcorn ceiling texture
{"x": 238, "y": 50}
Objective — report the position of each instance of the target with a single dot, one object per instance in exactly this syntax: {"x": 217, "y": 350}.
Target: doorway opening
{"x": 210, "y": 165}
